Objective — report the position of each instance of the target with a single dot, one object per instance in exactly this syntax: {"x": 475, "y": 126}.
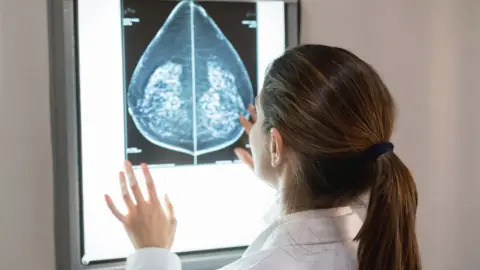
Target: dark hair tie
{"x": 376, "y": 150}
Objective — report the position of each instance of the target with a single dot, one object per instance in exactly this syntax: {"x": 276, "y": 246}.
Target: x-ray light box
{"x": 161, "y": 82}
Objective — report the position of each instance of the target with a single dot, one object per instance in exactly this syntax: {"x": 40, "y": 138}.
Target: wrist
{"x": 152, "y": 245}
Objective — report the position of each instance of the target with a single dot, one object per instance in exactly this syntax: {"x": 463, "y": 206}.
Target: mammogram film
{"x": 190, "y": 85}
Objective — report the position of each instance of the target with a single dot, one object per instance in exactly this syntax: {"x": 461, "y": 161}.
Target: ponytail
{"x": 387, "y": 239}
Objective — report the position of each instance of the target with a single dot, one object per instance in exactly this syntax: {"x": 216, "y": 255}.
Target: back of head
{"x": 330, "y": 108}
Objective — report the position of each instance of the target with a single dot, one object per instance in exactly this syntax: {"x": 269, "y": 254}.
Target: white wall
{"x": 428, "y": 55}
{"x": 26, "y": 185}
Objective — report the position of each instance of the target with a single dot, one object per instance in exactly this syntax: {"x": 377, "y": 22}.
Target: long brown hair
{"x": 330, "y": 107}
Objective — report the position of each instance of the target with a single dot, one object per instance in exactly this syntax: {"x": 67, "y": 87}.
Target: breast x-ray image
{"x": 190, "y": 70}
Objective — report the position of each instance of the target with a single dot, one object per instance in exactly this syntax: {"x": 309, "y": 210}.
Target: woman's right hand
{"x": 242, "y": 153}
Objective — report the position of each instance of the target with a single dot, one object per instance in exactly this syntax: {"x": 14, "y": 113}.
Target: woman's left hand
{"x": 148, "y": 223}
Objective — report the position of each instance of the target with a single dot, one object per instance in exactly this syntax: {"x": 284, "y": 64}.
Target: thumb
{"x": 244, "y": 156}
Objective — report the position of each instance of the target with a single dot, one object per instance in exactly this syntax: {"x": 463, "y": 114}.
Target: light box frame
{"x": 65, "y": 139}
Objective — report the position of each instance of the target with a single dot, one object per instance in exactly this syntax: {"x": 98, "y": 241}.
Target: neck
{"x": 294, "y": 194}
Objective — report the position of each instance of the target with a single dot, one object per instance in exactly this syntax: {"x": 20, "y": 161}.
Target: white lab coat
{"x": 315, "y": 239}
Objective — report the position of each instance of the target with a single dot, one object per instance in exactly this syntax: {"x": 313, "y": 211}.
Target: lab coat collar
{"x": 319, "y": 226}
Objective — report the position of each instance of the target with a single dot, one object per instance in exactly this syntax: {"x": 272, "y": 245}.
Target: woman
{"x": 321, "y": 137}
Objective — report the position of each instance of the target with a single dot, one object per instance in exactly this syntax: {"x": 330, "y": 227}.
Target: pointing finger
{"x": 253, "y": 113}
{"x": 125, "y": 194}
{"x": 247, "y": 125}
{"x": 152, "y": 191}
{"x": 137, "y": 193}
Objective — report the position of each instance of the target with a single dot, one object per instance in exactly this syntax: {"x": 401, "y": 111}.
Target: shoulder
{"x": 297, "y": 257}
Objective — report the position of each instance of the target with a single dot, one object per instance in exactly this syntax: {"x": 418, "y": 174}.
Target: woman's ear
{"x": 277, "y": 149}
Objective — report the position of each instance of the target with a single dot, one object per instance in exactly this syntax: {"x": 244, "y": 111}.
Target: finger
{"x": 137, "y": 193}
{"x": 253, "y": 113}
{"x": 152, "y": 191}
{"x": 244, "y": 156}
{"x": 125, "y": 194}
{"x": 170, "y": 210}
{"x": 114, "y": 209}
{"x": 172, "y": 218}
{"x": 247, "y": 125}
